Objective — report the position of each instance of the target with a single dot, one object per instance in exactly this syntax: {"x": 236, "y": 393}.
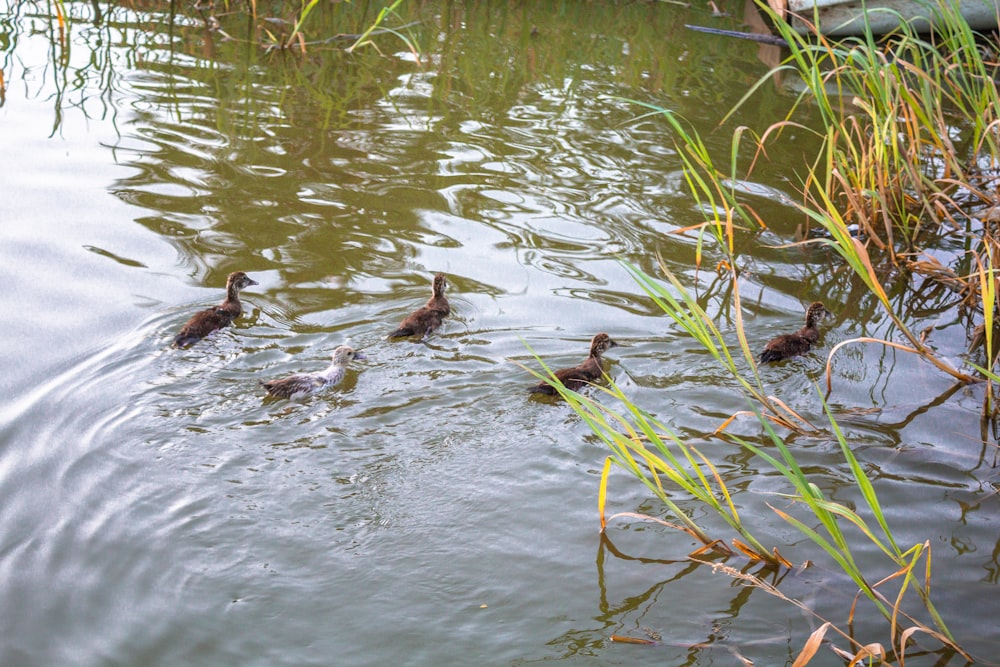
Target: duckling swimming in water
{"x": 790, "y": 345}
{"x": 217, "y": 317}
{"x": 590, "y": 370}
{"x": 428, "y": 317}
{"x": 304, "y": 384}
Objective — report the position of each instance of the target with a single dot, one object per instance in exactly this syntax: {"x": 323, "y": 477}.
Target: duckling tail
{"x": 184, "y": 340}
{"x": 769, "y": 356}
{"x": 401, "y": 332}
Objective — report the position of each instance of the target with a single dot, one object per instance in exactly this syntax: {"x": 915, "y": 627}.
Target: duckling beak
{"x": 251, "y": 281}
{"x": 614, "y": 343}
{"x": 359, "y": 355}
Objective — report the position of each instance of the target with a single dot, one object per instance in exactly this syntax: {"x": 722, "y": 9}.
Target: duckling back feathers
{"x": 211, "y": 319}
{"x": 427, "y": 318}
{"x": 790, "y": 345}
{"x": 591, "y": 370}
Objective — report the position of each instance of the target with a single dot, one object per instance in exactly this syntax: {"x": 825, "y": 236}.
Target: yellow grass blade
{"x": 602, "y": 494}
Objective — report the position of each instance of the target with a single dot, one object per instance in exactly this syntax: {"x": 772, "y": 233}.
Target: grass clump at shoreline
{"x": 909, "y": 141}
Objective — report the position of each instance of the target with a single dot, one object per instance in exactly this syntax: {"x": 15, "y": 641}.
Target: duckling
{"x": 427, "y": 318}
{"x": 304, "y": 384}
{"x": 217, "y": 317}
{"x": 790, "y": 345}
{"x": 590, "y": 370}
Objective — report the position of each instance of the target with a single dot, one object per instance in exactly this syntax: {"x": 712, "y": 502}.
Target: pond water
{"x": 154, "y": 510}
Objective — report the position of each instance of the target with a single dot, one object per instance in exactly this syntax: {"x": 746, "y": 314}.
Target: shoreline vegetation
{"x": 908, "y": 159}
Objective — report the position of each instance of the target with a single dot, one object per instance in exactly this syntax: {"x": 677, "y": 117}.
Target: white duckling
{"x": 305, "y": 384}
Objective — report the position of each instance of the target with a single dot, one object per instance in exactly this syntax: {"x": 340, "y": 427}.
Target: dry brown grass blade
{"x": 664, "y": 522}
{"x": 783, "y": 406}
{"x": 715, "y": 545}
{"x": 939, "y": 273}
{"x": 757, "y": 582}
{"x": 622, "y": 639}
{"x": 61, "y": 19}
{"x": 742, "y": 413}
{"x": 781, "y": 559}
{"x": 750, "y": 552}
{"x": 899, "y": 346}
{"x": 875, "y": 285}
{"x": 700, "y": 226}
{"x": 854, "y": 607}
{"x": 866, "y": 652}
{"x": 904, "y": 637}
{"x": 859, "y": 208}
{"x": 898, "y": 604}
{"x": 812, "y": 646}
{"x": 897, "y": 610}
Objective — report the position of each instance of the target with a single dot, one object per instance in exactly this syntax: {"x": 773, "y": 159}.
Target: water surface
{"x": 156, "y": 511}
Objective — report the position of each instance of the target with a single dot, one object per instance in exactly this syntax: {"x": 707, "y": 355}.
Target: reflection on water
{"x": 157, "y": 511}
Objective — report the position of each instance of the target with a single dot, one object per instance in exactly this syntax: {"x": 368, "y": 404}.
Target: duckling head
{"x": 600, "y": 344}
{"x": 345, "y": 354}
{"x": 440, "y": 283}
{"x": 238, "y": 280}
{"x": 816, "y": 313}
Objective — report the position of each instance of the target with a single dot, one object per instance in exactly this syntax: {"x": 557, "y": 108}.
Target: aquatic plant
{"x": 296, "y": 37}
{"x": 364, "y": 38}
{"x": 672, "y": 468}
{"x": 892, "y": 176}
{"x": 909, "y": 129}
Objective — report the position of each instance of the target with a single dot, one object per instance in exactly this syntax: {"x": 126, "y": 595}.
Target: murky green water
{"x": 155, "y": 511}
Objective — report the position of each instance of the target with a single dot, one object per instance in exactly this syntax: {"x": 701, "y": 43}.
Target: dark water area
{"x": 155, "y": 510}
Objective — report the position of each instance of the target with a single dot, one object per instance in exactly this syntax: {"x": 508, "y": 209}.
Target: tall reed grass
{"x": 909, "y": 129}
{"x": 909, "y": 141}
{"x": 276, "y": 33}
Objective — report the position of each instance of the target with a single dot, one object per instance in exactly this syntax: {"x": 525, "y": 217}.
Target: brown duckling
{"x": 790, "y": 345}
{"x": 590, "y": 370}
{"x": 217, "y": 317}
{"x": 427, "y": 318}
{"x": 304, "y": 384}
